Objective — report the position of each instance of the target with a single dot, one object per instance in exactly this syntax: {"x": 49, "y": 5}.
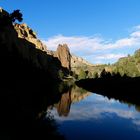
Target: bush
{"x": 82, "y": 74}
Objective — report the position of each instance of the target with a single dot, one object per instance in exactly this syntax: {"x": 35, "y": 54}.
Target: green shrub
{"x": 82, "y": 74}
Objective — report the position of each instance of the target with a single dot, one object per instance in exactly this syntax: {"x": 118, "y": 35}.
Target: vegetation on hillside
{"x": 126, "y": 66}
{"x": 129, "y": 65}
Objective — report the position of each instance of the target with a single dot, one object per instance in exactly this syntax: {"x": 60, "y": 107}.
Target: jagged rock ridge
{"x": 27, "y": 33}
{"x": 79, "y": 62}
{"x": 62, "y": 52}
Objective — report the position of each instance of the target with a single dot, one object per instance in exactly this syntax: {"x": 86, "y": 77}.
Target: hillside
{"x": 129, "y": 65}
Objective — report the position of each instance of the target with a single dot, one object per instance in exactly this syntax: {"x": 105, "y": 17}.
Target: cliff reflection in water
{"x": 25, "y": 113}
{"x": 74, "y": 94}
{"x": 63, "y": 107}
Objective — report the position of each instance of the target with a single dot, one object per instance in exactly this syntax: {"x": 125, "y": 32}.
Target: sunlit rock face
{"x": 64, "y": 56}
{"x": 79, "y": 62}
{"x": 27, "y": 33}
{"x": 3, "y": 12}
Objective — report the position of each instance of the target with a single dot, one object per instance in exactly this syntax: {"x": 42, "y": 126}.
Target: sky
{"x": 100, "y": 31}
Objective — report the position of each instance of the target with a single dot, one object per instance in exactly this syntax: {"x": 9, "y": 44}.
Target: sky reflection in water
{"x": 97, "y": 117}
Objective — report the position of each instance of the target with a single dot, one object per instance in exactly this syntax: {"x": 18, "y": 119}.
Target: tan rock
{"x": 64, "y": 56}
{"x": 27, "y": 33}
{"x": 79, "y": 62}
{"x": 3, "y": 12}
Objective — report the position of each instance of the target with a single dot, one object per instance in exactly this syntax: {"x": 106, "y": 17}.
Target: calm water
{"x": 88, "y": 116}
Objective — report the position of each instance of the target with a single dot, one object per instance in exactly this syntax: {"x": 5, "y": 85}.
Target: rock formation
{"x": 79, "y": 62}
{"x": 62, "y": 52}
{"x": 22, "y": 50}
{"x": 64, "y": 56}
{"x": 27, "y": 33}
{"x": 23, "y": 40}
{"x": 3, "y": 12}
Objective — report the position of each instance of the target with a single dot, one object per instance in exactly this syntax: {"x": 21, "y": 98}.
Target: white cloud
{"x": 110, "y": 56}
{"x": 90, "y": 45}
{"x": 76, "y": 43}
{"x": 136, "y": 34}
{"x": 136, "y": 27}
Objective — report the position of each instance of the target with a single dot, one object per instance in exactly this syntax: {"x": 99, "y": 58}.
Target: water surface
{"x": 93, "y": 116}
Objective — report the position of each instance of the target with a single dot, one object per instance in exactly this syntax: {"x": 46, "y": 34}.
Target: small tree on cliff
{"x": 7, "y": 19}
{"x": 82, "y": 74}
{"x": 16, "y": 15}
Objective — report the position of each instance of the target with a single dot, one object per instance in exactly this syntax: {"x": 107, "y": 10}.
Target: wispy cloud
{"x": 94, "y": 45}
{"x": 76, "y": 43}
{"x": 110, "y": 56}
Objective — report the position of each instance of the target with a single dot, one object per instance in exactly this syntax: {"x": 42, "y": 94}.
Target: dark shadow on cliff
{"x": 125, "y": 89}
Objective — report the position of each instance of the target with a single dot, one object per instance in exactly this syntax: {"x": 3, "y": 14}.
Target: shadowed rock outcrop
{"x": 62, "y": 52}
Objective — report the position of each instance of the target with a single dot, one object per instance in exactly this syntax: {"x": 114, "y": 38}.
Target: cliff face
{"x": 62, "y": 52}
{"x": 64, "y": 56}
{"x": 21, "y": 46}
{"x": 79, "y": 62}
{"x": 27, "y": 33}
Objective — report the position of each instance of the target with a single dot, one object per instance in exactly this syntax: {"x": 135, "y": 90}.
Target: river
{"x": 94, "y": 116}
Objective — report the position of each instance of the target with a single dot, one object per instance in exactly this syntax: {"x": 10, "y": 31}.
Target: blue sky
{"x": 101, "y": 31}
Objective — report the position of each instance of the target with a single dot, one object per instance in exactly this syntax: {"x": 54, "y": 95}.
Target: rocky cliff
{"x": 20, "y": 45}
{"x": 64, "y": 56}
{"x": 27, "y": 33}
{"x": 79, "y": 62}
{"x": 22, "y": 42}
